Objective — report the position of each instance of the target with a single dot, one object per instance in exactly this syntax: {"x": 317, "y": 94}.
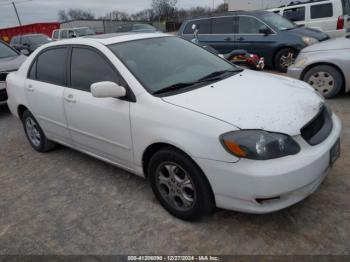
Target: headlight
{"x": 309, "y": 40}
{"x": 259, "y": 144}
{"x": 300, "y": 62}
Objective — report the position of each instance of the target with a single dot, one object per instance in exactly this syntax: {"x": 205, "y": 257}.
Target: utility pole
{"x": 19, "y": 20}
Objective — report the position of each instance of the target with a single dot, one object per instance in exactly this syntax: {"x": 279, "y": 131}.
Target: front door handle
{"x": 30, "y": 88}
{"x": 241, "y": 39}
{"x": 70, "y": 99}
{"x": 228, "y": 39}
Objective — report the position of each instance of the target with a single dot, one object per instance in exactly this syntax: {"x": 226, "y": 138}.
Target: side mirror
{"x": 264, "y": 30}
{"x": 24, "y": 52}
{"x": 107, "y": 89}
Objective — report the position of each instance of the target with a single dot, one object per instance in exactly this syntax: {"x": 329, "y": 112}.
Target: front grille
{"x": 3, "y": 76}
{"x": 319, "y": 128}
{"x": 3, "y": 95}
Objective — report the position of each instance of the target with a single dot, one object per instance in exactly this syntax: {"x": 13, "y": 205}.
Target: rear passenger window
{"x": 64, "y": 34}
{"x": 88, "y": 67}
{"x": 55, "y": 34}
{"x": 295, "y": 14}
{"x": 203, "y": 25}
{"x": 222, "y": 25}
{"x": 51, "y": 66}
{"x": 321, "y": 11}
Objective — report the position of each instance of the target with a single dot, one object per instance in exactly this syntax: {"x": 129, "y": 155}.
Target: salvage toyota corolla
{"x": 203, "y": 131}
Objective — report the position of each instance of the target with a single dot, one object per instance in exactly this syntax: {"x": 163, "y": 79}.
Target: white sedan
{"x": 203, "y": 131}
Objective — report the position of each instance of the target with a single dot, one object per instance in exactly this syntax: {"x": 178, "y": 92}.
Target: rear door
{"x": 44, "y": 87}
{"x": 222, "y": 34}
{"x": 323, "y": 17}
{"x": 248, "y": 36}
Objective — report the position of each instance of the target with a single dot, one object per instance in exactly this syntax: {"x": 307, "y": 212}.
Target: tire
{"x": 284, "y": 58}
{"x": 35, "y": 134}
{"x": 327, "y": 80}
{"x": 179, "y": 185}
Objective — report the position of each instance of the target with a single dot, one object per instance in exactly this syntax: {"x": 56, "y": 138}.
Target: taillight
{"x": 340, "y": 23}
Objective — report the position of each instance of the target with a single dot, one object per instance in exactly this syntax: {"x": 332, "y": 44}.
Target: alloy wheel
{"x": 287, "y": 59}
{"x": 33, "y": 132}
{"x": 176, "y": 186}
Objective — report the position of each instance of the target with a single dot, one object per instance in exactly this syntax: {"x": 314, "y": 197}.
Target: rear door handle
{"x": 228, "y": 39}
{"x": 70, "y": 99}
{"x": 30, "y": 88}
{"x": 241, "y": 39}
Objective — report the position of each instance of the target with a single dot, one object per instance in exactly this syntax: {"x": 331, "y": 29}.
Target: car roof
{"x": 232, "y": 13}
{"x": 108, "y": 39}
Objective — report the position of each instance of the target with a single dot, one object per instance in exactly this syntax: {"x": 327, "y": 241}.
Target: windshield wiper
{"x": 218, "y": 73}
{"x": 215, "y": 76}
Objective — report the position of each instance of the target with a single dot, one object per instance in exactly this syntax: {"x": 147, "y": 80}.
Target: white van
{"x": 67, "y": 33}
{"x": 330, "y": 16}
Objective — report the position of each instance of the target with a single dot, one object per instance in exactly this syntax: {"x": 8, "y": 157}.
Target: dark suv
{"x": 260, "y": 32}
{"x": 29, "y": 42}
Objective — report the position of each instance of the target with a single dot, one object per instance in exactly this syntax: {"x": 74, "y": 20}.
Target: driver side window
{"x": 249, "y": 25}
{"x": 88, "y": 67}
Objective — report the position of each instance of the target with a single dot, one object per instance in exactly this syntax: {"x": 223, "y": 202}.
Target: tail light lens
{"x": 340, "y": 23}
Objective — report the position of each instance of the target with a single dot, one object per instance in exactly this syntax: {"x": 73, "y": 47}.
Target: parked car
{"x": 329, "y": 16}
{"x": 141, "y": 28}
{"x": 325, "y": 66}
{"x": 10, "y": 60}
{"x": 260, "y": 32}
{"x": 204, "y": 132}
{"x": 67, "y": 33}
{"x": 28, "y": 43}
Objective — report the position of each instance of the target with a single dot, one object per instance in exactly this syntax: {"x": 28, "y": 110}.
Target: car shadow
{"x": 4, "y": 110}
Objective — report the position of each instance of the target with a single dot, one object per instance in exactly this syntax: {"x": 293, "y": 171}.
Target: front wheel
{"x": 179, "y": 185}
{"x": 284, "y": 58}
{"x": 35, "y": 134}
{"x": 325, "y": 79}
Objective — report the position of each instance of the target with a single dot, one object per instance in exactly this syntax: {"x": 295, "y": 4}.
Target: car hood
{"x": 333, "y": 44}
{"x": 310, "y": 32}
{"x": 255, "y": 100}
{"x": 11, "y": 63}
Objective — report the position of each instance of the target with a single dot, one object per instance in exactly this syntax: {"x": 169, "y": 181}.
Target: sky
{"x": 32, "y": 11}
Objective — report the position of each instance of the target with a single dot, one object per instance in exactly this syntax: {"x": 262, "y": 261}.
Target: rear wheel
{"x": 35, "y": 134}
{"x": 179, "y": 185}
{"x": 326, "y": 79}
{"x": 284, "y": 58}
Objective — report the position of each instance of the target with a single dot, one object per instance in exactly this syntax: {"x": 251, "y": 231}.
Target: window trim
{"x": 319, "y": 4}
{"x": 36, "y": 65}
{"x": 256, "y": 18}
{"x": 130, "y": 96}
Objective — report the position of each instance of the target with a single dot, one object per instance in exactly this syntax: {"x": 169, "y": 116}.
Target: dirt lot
{"x": 65, "y": 202}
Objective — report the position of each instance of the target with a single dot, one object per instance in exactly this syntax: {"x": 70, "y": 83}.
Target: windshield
{"x": 6, "y": 51}
{"x": 38, "y": 39}
{"x": 84, "y": 32}
{"x": 278, "y": 21}
{"x": 159, "y": 63}
{"x": 143, "y": 27}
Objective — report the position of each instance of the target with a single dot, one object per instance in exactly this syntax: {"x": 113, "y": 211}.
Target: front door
{"x": 250, "y": 38}
{"x": 100, "y": 126}
{"x": 44, "y": 88}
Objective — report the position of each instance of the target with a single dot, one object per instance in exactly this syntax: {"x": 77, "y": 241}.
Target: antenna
{"x": 13, "y": 3}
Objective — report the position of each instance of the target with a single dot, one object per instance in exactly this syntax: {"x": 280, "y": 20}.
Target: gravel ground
{"x": 65, "y": 202}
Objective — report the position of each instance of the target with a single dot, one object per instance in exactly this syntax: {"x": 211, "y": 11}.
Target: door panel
{"x": 222, "y": 34}
{"x": 98, "y": 125}
{"x": 249, "y": 38}
{"x": 44, "y": 88}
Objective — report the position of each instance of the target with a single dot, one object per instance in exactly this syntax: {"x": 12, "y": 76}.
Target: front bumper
{"x": 279, "y": 183}
{"x": 295, "y": 72}
{"x": 3, "y": 93}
